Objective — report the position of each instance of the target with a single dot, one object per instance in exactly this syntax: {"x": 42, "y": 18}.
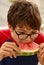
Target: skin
{"x": 7, "y": 50}
{"x": 8, "y": 47}
{"x": 40, "y": 54}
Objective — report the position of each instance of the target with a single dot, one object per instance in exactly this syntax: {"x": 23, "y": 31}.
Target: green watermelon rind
{"x": 24, "y": 53}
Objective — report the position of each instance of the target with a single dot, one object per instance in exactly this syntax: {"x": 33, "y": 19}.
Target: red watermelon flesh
{"x": 29, "y": 48}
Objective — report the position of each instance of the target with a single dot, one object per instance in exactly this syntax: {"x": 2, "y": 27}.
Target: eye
{"x": 18, "y": 32}
{"x": 22, "y": 33}
{"x": 33, "y": 32}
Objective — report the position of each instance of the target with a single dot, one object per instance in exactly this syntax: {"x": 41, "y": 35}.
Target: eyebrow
{"x": 21, "y": 32}
{"x": 24, "y": 31}
{"x": 33, "y": 32}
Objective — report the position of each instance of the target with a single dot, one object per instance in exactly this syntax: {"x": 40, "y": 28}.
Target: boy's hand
{"x": 41, "y": 54}
{"x": 9, "y": 49}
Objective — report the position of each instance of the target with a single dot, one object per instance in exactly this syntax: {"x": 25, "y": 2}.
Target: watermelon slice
{"x": 29, "y": 48}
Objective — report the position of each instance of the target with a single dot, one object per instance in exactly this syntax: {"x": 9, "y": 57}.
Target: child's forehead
{"x": 24, "y": 28}
{"x": 23, "y": 25}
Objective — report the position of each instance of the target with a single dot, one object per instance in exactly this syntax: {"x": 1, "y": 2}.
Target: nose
{"x": 28, "y": 40}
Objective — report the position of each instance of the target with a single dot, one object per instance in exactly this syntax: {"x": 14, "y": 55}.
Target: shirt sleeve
{"x": 40, "y": 39}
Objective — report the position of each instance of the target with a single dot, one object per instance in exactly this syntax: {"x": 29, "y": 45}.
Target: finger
{"x": 42, "y": 51}
{"x": 5, "y": 54}
{"x": 42, "y": 57}
{"x": 14, "y": 54}
{"x": 10, "y": 50}
{"x": 12, "y": 45}
{"x": 38, "y": 55}
{"x": 41, "y": 46}
{"x": 15, "y": 47}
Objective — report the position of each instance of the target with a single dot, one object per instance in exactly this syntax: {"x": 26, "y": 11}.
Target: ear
{"x": 10, "y": 27}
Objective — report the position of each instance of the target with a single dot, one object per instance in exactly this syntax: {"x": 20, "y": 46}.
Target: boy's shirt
{"x": 5, "y": 35}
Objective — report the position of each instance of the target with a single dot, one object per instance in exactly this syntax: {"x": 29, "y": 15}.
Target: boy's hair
{"x": 26, "y": 13}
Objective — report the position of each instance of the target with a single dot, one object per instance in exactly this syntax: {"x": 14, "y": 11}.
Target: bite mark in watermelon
{"x": 29, "y": 48}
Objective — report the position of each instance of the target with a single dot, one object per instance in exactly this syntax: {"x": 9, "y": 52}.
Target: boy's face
{"x": 25, "y": 34}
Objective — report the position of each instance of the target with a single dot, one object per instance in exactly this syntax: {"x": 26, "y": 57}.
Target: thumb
{"x": 38, "y": 55}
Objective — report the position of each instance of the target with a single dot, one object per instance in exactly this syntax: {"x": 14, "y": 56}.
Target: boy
{"x": 23, "y": 19}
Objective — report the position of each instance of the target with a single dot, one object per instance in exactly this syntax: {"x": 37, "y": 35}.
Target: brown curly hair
{"x": 24, "y": 11}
